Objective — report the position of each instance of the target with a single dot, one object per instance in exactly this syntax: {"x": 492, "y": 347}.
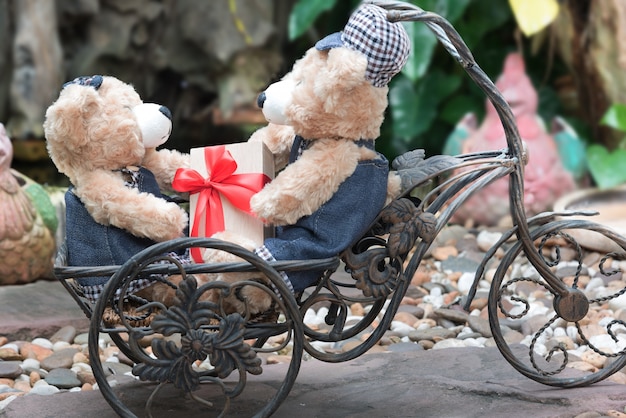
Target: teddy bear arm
{"x": 278, "y": 139}
{"x": 303, "y": 186}
{"x": 110, "y": 202}
{"x": 394, "y": 186}
{"x": 163, "y": 164}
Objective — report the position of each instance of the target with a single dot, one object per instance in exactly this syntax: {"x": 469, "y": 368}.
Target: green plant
{"x": 607, "y": 167}
{"x": 433, "y": 92}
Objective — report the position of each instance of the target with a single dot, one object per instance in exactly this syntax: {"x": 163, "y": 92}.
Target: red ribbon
{"x": 221, "y": 181}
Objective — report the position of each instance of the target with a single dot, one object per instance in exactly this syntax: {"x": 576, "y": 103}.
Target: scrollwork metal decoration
{"x": 380, "y": 268}
{"x": 510, "y": 302}
{"x": 225, "y": 348}
{"x": 376, "y": 263}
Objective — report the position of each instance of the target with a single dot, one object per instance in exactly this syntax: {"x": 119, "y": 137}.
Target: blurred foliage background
{"x": 433, "y": 92}
{"x": 572, "y": 52}
{"x": 207, "y": 61}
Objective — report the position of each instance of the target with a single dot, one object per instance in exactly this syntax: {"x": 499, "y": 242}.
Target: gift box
{"x": 221, "y": 181}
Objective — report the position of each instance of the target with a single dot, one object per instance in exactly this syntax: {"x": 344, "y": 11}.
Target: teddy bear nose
{"x": 260, "y": 100}
{"x": 166, "y": 112}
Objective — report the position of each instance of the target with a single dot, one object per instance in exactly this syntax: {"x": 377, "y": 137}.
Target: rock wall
{"x": 205, "y": 60}
{"x": 590, "y": 38}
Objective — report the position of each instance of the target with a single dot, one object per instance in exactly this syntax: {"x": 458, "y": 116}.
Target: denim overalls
{"x": 338, "y": 223}
{"x": 92, "y": 244}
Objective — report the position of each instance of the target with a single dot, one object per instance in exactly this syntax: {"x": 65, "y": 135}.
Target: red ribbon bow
{"x": 221, "y": 181}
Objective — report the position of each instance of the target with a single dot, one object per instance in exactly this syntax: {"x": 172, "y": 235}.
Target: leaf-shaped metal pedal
{"x": 408, "y": 223}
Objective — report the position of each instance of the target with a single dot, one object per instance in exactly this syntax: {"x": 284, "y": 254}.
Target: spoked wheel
{"x": 567, "y": 325}
{"x": 199, "y": 341}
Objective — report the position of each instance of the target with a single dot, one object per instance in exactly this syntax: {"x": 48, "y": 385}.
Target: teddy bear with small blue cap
{"x": 104, "y": 138}
{"x": 324, "y": 118}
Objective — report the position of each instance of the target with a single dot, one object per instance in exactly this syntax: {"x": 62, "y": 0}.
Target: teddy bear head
{"x": 339, "y": 88}
{"x": 101, "y": 123}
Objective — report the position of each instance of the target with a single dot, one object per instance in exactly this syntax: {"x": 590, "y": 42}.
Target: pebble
{"x": 405, "y": 317}
{"x": 429, "y": 318}
{"x": 449, "y": 343}
{"x": 113, "y": 368}
{"x": 62, "y": 359}
{"x": 9, "y": 354}
{"x": 33, "y": 378}
{"x": 465, "y": 282}
{"x": 65, "y": 334}
{"x": 10, "y": 369}
{"x": 44, "y": 389}
{"x": 9, "y": 395}
{"x": 445, "y": 252}
{"x": 31, "y": 365}
{"x": 479, "y": 325}
{"x": 487, "y": 239}
{"x": 43, "y": 342}
{"x": 63, "y": 379}
{"x": 34, "y": 351}
{"x": 453, "y": 315}
{"x": 86, "y": 377}
{"x": 431, "y": 334}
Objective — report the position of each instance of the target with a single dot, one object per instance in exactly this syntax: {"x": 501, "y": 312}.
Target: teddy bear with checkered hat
{"x": 324, "y": 118}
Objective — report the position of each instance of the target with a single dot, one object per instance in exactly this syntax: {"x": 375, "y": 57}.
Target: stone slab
{"x": 454, "y": 382}
{"x": 38, "y": 309}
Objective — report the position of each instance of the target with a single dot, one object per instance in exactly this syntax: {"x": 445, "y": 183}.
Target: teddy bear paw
{"x": 246, "y": 300}
{"x": 283, "y": 210}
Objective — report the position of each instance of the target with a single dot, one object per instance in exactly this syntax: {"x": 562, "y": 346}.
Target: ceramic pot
{"x": 611, "y": 206}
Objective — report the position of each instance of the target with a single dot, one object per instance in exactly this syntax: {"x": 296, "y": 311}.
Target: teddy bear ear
{"x": 65, "y": 117}
{"x": 344, "y": 70}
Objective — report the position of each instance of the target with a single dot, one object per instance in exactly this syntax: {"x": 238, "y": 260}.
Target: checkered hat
{"x": 386, "y": 45}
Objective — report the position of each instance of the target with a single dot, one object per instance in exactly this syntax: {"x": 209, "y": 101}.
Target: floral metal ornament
{"x": 225, "y": 348}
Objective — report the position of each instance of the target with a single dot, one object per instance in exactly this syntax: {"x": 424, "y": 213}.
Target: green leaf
{"x": 608, "y": 169}
{"x": 423, "y": 40}
{"x": 458, "y": 106}
{"x": 615, "y": 117}
{"x": 423, "y": 43}
{"x": 439, "y": 86}
{"x": 413, "y": 109}
{"x": 481, "y": 17}
{"x": 304, "y": 14}
{"x": 404, "y": 103}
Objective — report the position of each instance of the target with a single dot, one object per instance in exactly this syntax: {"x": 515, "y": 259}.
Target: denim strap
{"x": 300, "y": 144}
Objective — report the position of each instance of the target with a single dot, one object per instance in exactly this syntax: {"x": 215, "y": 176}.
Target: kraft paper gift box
{"x": 225, "y": 178}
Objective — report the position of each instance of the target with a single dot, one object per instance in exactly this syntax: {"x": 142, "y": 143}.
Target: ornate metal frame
{"x": 199, "y": 341}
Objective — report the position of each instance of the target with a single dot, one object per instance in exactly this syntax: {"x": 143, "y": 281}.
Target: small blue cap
{"x": 94, "y": 81}
{"x": 331, "y": 41}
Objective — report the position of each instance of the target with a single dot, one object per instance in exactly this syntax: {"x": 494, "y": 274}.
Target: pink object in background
{"x": 545, "y": 178}
{"x": 27, "y": 223}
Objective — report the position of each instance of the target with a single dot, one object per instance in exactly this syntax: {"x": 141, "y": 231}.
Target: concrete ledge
{"x": 454, "y": 382}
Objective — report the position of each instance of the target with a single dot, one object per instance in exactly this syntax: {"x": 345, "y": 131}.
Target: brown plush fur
{"x": 249, "y": 299}
{"x": 335, "y": 106}
{"x": 91, "y": 133}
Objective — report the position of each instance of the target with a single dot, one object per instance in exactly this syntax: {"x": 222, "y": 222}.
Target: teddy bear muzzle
{"x": 275, "y": 99}
{"x": 155, "y": 123}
